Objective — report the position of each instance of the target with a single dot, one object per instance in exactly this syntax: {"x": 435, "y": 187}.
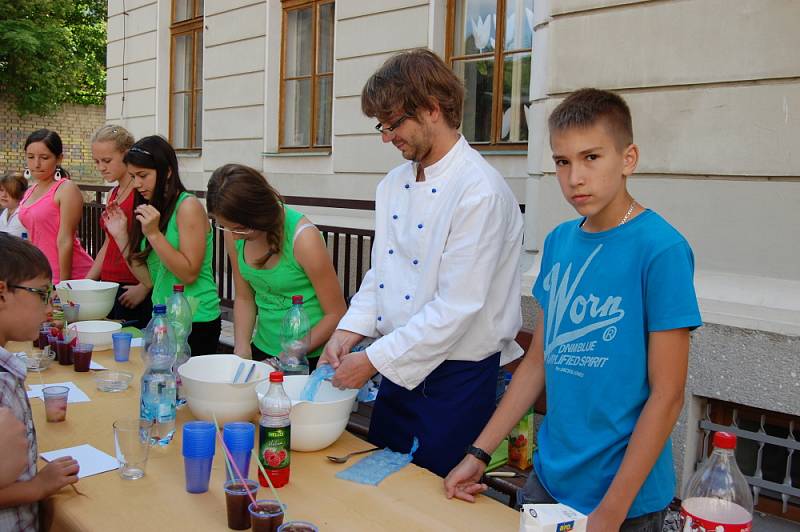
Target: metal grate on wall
{"x": 767, "y": 452}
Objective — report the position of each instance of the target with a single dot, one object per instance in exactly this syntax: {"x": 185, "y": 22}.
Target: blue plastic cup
{"x": 198, "y": 453}
{"x": 239, "y": 439}
{"x": 122, "y": 345}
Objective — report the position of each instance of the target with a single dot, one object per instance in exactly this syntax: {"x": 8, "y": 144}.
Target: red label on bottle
{"x": 693, "y": 523}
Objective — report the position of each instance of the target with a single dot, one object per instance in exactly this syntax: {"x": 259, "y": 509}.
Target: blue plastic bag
{"x": 377, "y": 466}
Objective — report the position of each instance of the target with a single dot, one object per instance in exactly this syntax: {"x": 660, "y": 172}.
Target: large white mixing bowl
{"x": 96, "y": 298}
{"x": 208, "y": 389}
{"x": 317, "y": 424}
{"x": 96, "y": 332}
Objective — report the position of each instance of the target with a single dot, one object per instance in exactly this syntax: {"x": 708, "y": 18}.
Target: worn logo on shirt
{"x": 572, "y": 315}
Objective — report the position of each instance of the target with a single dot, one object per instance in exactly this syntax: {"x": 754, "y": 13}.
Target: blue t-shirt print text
{"x": 563, "y": 347}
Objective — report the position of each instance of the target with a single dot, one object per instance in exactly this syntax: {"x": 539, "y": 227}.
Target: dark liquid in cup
{"x": 82, "y": 360}
{"x": 42, "y": 342}
{"x": 64, "y": 353}
{"x": 298, "y": 528}
{"x": 237, "y": 503}
{"x": 264, "y": 522}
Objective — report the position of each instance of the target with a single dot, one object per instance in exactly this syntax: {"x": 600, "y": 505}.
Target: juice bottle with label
{"x": 274, "y": 433}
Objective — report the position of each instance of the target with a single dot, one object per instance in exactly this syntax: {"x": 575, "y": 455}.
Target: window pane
{"x": 516, "y": 99}
{"x": 519, "y": 24}
{"x": 198, "y": 119}
{"x": 474, "y": 26}
{"x": 199, "y": 8}
{"x": 198, "y": 74}
{"x": 182, "y": 63}
{"x": 299, "y": 44}
{"x": 325, "y": 47}
{"x": 183, "y": 10}
{"x": 181, "y": 114}
{"x": 297, "y": 112}
{"x": 324, "y": 106}
{"x": 477, "y": 75}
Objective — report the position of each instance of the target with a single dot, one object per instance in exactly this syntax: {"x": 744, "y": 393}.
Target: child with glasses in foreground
{"x": 611, "y": 344}
{"x": 25, "y": 286}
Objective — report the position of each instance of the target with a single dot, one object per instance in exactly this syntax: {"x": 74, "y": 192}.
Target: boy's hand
{"x": 463, "y": 480}
{"x": 57, "y": 474}
{"x": 604, "y": 520}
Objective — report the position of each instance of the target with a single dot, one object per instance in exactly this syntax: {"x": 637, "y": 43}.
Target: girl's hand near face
{"x": 149, "y": 217}
{"x": 116, "y": 221}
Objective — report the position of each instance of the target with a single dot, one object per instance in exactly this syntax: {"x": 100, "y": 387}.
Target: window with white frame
{"x": 186, "y": 75}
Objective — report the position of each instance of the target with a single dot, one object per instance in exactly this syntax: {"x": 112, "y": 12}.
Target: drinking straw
{"x": 227, "y": 463}
{"x": 269, "y": 481}
{"x": 236, "y": 468}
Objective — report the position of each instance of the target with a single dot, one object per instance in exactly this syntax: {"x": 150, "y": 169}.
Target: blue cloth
{"x": 377, "y": 466}
{"x": 323, "y": 372}
{"x": 446, "y": 412}
{"x": 602, "y": 294}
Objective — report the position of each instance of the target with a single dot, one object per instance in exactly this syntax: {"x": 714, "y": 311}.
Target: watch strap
{"x": 479, "y": 453}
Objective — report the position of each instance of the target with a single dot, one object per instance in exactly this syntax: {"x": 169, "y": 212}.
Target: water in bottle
{"x": 179, "y": 316}
{"x": 159, "y": 389}
{"x": 157, "y": 330}
{"x": 274, "y": 433}
{"x": 294, "y": 339}
{"x": 717, "y": 497}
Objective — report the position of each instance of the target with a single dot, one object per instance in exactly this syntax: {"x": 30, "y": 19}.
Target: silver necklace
{"x": 627, "y": 214}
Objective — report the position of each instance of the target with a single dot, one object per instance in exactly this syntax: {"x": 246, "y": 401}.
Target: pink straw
{"x": 236, "y": 468}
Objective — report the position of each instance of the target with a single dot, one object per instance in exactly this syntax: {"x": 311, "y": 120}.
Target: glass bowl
{"x": 38, "y": 359}
{"x": 112, "y": 381}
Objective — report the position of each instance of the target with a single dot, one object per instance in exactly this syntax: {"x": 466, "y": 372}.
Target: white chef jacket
{"x": 445, "y": 279}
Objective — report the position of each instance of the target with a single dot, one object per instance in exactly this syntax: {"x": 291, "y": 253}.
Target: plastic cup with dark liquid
{"x": 266, "y": 515}
{"x": 64, "y": 352}
{"x": 298, "y": 526}
{"x": 82, "y": 356}
{"x": 237, "y": 501}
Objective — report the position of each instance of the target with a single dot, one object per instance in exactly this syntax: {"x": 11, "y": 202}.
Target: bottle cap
{"x": 177, "y": 288}
{"x": 725, "y": 440}
{"x": 297, "y": 300}
{"x": 160, "y": 309}
{"x": 276, "y": 376}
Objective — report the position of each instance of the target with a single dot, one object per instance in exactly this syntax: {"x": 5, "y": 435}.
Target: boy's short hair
{"x": 586, "y": 107}
{"x": 21, "y": 261}
{"x": 15, "y": 184}
{"x": 411, "y": 81}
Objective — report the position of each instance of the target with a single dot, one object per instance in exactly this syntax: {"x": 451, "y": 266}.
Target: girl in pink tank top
{"x": 42, "y": 217}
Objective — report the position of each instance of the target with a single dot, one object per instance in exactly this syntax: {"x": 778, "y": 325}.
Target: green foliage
{"x": 52, "y": 52}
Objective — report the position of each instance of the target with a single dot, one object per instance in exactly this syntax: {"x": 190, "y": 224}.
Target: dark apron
{"x": 446, "y": 412}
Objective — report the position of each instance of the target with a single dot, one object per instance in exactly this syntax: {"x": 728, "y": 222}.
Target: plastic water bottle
{"x": 157, "y": 330}
{"x": 159, "y": 391}
{"x": 294, "y": 339}
{"x": 179, "y": 315}
{"x": 717, "y": 497}
{"x": 274, "y": 433}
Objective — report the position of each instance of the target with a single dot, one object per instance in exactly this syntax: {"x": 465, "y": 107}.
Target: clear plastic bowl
{"x": 113, "y": 381}
{"x": 38, "y": 359}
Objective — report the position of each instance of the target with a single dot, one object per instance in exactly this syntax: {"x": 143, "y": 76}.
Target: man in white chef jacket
{"x": 443, "y": 294}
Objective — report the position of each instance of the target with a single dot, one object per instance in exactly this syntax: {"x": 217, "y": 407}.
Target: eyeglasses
{"x": 235, "y": 231}
{"x": 386, "y": 130}
{"x": 43, "y": 293}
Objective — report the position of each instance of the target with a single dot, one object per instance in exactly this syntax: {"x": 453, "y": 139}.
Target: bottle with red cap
{"x": 717, "y": 497}
{"x": 274, "y": 433}
{"x": 294, "y": 339}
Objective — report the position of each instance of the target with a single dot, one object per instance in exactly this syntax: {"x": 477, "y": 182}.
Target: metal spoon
{"x": 345, "y": 458}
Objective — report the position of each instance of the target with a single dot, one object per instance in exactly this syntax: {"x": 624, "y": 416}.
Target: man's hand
{"x": 463, "y": 481}
{"x": 14, "y": 445}
{"x": 133, "y": 295}
{"x": 338, "y": 346}
{"x": 57, "y": 474}
{"x": 354, "y": 371}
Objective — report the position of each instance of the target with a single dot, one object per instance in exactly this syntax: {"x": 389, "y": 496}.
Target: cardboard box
{"x": 551, "y": 518}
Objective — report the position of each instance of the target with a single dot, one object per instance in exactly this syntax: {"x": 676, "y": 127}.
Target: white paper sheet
{"x": 94, "y": 365}
{"x": 76, "y": 395}
{"x": 137, "y": 342}
{"x": 92, "y": 461}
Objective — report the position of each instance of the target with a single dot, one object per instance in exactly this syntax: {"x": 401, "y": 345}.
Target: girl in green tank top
{"x": 276, "y": 254}
{"x": 172, "y": 243}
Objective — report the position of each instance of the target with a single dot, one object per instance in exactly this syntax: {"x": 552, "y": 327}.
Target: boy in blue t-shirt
{"x": 612, "y": 340}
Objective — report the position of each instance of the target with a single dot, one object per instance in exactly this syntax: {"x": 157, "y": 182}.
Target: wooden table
{"x": 412, "y": 499}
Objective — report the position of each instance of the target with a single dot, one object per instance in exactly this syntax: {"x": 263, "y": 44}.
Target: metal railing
{"x": 767, "y": 452}
{"x": 350, "y": 248}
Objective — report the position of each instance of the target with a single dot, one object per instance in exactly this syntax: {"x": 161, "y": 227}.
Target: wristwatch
{"x": 479, "y": 453}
